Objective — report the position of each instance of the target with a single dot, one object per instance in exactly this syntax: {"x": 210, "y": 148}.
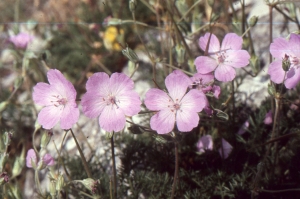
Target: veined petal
{"x": 112, "y": 119}
{"x": 92, "y": 104}
{"x": 205, "y": 78}
{"x": 193, "y": 101}
{"x": 225, "y": 150}
{"x": 120, "y": 83}
{"x": 98, "y": 83}
{"x": 294, "y": 43}
{"x": 232, "y": 41}
{"x": 279, "y": 48}
{"x": 237, "y": 58}
{"x": 292, "y": 78}
{"x": 163, "y": 121}
{"x": 48, "y": 159}
{"x": 43, "y": 94}
{"x": 49, "y": 116}
{"x": 177, "y": 85}
{"x": 156, "y": 99}
{"x": 276, "y": 72}
{"x": 56, "y": 77}
{"x": 70, "y": 116}
{"x": 31, "y": 156}
{"x": 186, "y": 120}
{"x": 225, "y": 73}
{"x": 214, "y": 44}
{"x": 130, "y": 103}
{"x": 205, "y": 64}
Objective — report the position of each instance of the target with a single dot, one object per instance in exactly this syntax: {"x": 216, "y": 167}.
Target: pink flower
{"x": 110, "y": 98}
{"x": 268, "y": 118}
{"x": 222, "y": 59}
{"x": 58, "y": 97}
{"x": 225, "y": 149}
{"x": 32, "y": 160}
{"x": 205, "y": 143}
{"x": 177, "y": 106}
{"x": 282, "y": 49}
{"x": 21, "y": 40}
{"x": 244, "y": 127}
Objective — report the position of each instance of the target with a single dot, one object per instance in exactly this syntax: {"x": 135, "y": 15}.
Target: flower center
{"x": 60, "y": 101}
{"x": 294, "y": 60}
{"x": 174, "y": 106}
{"x": 221, "y": 57}
{"x": 111, "y": 100}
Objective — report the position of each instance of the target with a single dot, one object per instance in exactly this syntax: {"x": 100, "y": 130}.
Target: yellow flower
{"x": 112, "y": 38}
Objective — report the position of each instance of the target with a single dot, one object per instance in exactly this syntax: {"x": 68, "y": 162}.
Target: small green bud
{"x": 46, "y": 139}
{"x": 271, "y": 89}
{"x": 37, "y": 126}
{"x": 254, "y": 63}
{"x": 130, "y": 54}
{"x": 3, "y": 106}
{"x": 286, "y": 63}
{"x": 18, "y": 82}
{"x": 90, "y": 184}
{"x": 60, "y": 183}
{"x": 18, "y": 166}
{"x": 253, "y": 20}
{"x": 132, "y": 5}
{"x": 52, "y": 189}
{"x": 3, "y": 158}
{"x": 191, "y": 65}
{"x": 180, "y": 53}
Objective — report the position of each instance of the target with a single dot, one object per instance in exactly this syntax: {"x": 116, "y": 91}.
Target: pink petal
{"x": 31, "y": 156}
{"x": 225, "y": 149}
{"x": 186, "y": 120}
{"x": 268, "y": 118}
{"x": 177, "y": 85}
{"x": 279, "y": 48}
{"x": 205, "y": 78}
{"x": 163, "y": 121}
{"x": 156, "y": 99}
{"x": 120, "y": 83}
{"x": 193, "y": 101}
{"x": 92, "y": 104}
{"x": 205, "y": 64}
{"x": 205, "y": 143}
{"x": 70, "y": 116}
{"x": 232, "y": 41}
{"x": 48, "y": 159}
{"x": 112, "y": 119}
{"x": 294, "y": 43}
{"x": 217, "y": 91}
{"x": 276, "y": 72}
{"x": 98, "y": 83}
{"x": 43, "y": 94}
{"x": 56, "y": 77}
{"x": 243, "y": 129}
{"x": 214, "y": 44}
{"x": 130, "y": 103}
{"x": 225, "y": 73}
{"x": 237, "y": 59}
{"x": 292, "y": 78}
{"x": 49, "y": 116}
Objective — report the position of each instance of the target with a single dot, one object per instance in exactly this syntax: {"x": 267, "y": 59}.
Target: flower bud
{"x": 60, "y": 183}
{"x": 254, "y": 63}
{"x": 52, "y": 189}
{"x": 3, "y": 158}
{"x": 46, "y": 139}
{"x": 253, "y": 20}
{"x": 90, "y": 184}
{"x": 271, "y": 89}
{"x": 37, "y": 126}
{"x": 4, "y": 178}
{"x": 18, "y": 166}
{"x": 7, "y": 138}
{"x": 286, "y": 63}
{"x": 180, "y": 53}
{"x": 130, "y": 54}
{"x": 132, "y": 5}
{"x": 3, "y": 106}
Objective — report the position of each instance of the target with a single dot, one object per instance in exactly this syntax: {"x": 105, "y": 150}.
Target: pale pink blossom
{"x": 21, "y": 40}
{"x": 225, "y": 149}
{"x": 222, "y": 59}
{"x": 111, "y": 98}
{"x": 244, "y": 128}
{"x": 58, "y": 99}
{"x": 33, "y": 162}
{"x": 288, "y": 50}
{"x": 205, "y": 143}
{"x": 175, "y": 107}
{"x": 268, "y": 118}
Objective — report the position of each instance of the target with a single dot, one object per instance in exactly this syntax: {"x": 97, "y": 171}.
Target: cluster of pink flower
{"x": 113, "y": 98}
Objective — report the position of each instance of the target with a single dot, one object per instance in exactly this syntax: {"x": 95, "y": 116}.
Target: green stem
{"x": 176, "y": 171}
{"x": 37, "y": 181}
{"x": 85, "y": 165}
{"x": 114, "y": 165}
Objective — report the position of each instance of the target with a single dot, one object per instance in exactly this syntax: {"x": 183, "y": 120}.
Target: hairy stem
{"x": 176, "y": 171}
{"x": 114, "y": 165}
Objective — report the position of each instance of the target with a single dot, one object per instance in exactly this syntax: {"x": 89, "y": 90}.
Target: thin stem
{"x": 33, "y": 136}
{"x": 114, "y": 164}
{"x": 136, "y": 67}
{"x": 176, "y": 68}
{"x": 176, "y": 171}
{"x": 233, "y": 100}
{"x": 191, "y": 8}
{"x": 271, "y": 27}
{"x": 85, "y": 165}
{"x": 37, "y": 181}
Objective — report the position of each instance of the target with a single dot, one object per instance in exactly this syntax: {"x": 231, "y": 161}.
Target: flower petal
{"x": 163, "y": 121}
{"x": 31, "y": 156}
{"x": 279, "y": 48}
{"x": 292, "y": 78}
{"x": 177, "y": 85}
{"x": 43, "y": 94}
{"x": 98, "y": 83}
{"x": 276, "y": 72}
{"x": 216, "y": 90}
{"x": 237, "y": 58}
{"x": 156, "y": 99}
{"x": 193, "y": 101}
{"x": 49, "y": 116}
{"x": 294, "y": 44}
{"x": 92, "y": 104}
{"x": 130, "y": 103}
{"x": 205, "y": 143}
{"x": 232, "y": 41}
{"x": 214, "y": 44}
{"x": 268, "y": 118}
{"x": 70, "y": 116}
{"x": 225, "y": 73}
{"x": 120, "y": 83}
{"x": 186, "y": 120}
{"x": 48, "y": 159}
{"x": 205, "y": 64}
{"x": 225, "y": 150}
{"x": 112, "y": 119}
